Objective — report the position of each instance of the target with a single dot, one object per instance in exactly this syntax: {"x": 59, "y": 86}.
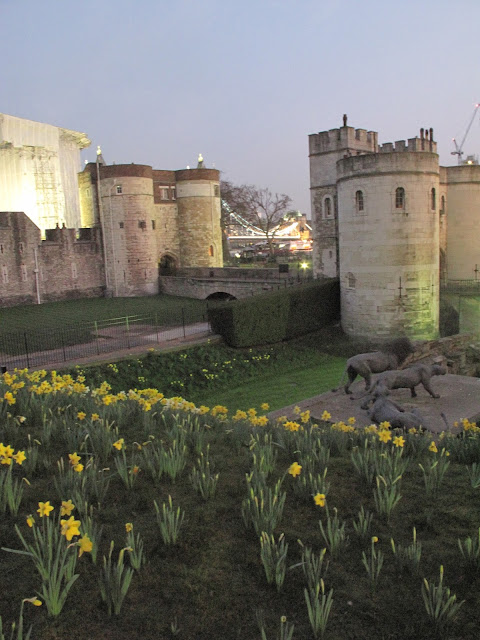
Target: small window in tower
{"x": 164, "y": 193}
{"x": 210, "y": 251}
{"x": 351, "y": 281}
{"x": 153, "y": 225}
{"x": 174, "y": 193}
{"x": 121, "y": 225}
{"x": 433, "y": 200}
{"x": 74, "y": 271}
{"x": 142, "y": 224}
{"x": 119, "y": 189}
{"x": 400, "y": 198}
{"x": 327, "y": 207}
{"x": 442, "y": 206}
{"x": 5, "y": 274}
{"x": 87, "y": 193}
{"x": 20, "y": 247}
{"x": 216, "y": 190}
{"x": 359, "y": 201}
{"x": 1, "y": 248}
{"x": 23, "y": 269}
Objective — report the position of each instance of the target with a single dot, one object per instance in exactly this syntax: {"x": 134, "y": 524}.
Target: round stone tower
{"x": 463, "y": 231}
{"x": 129, "y": 229}
{"x": 198, "y": 207}
{"x": 388, "y": 219}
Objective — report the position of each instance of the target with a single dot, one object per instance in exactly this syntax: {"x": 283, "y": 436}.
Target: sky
{"x": 157, "y": 82}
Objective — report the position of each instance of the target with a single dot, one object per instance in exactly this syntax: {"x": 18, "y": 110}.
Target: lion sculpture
{"x": 407, "y": 378}
{"x": 392, "y": 356}
{"x": 385, "y": 410}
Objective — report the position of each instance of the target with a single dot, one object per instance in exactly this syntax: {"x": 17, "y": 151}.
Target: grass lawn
{"x": 279, "y": 389}
{"x": 211, "y": 582}
{"x": 67, "y": 313}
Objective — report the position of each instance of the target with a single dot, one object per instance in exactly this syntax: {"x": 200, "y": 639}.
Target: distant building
{"x": 108, "y": 230}
{"x": 379, "y": 215}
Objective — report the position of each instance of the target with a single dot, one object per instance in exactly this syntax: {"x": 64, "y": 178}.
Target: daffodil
{"x": 264, "y": 406}
{"x": 325, "y": 416}
{"x": 374, "y": 539}
{"x": 85, "y": 545}
{"x": 81, "y": 415}
{"x": 119, "y": 444}
{"x": 19, "y": 457}
{"x": 74, "y": 458}
{"x": 78, "y": 467}
{"x": 399, "y": 441}
{"x": 384, "y": 435}
{"x": 70, "y": 528}
{"x": 95, "y": 417}
{"x": 30, "y": 521}
{"x": 66, "y": 508}
{"x": 319, "y": 499}
{"x": 44, "y": 509}
{"x": 128, "y": 527}
{"x": 35, "y": 601}
{"x": 433, "y": 447}
{"x": 295, "y": 469}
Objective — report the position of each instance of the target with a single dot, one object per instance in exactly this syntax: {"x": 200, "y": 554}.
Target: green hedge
{"x": 282, "y": 315}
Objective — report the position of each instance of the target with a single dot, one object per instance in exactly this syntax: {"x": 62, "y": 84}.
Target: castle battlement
{"x": 424, "y": 143}
{"x": 342, "y": 139}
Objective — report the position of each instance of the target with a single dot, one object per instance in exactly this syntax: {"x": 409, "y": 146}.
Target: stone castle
{"x": 106, "y": 230}
{"x": 393, "y": 225}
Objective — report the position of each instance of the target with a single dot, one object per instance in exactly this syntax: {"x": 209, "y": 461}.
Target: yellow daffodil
{"x": 66, "y": 508}
{"x": 325, "y": 416}
{"x": 81, "y": 415}
{"x": 19, "y": 457}
{"x": 128, "y": 527}
{"x": 35, "y": 601}
{"x": 44, "y": 509}
{"x": 319, "y": 499}
{"x": 351, "y": 420}
{"x": 85, "y": 545}
{"x": 264, "y": 406}
{"x": 384, "y": 425}
{"x": 78, "y": 467}
{"x": 95, "y": 417}
{"x": 374, "y": 539}
{"x": 295, "y": 469}
{"x": 119, "y": 444}
{"x": 30, "y": 521}
{"x": 384, "y": 435}
{"x": 399, "y": 441}
{"x": 74, "y": 458}
{"x": 433, "y": 447}
{"x": 70, "y": 528}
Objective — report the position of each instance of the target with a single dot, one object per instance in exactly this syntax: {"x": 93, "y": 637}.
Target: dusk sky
{"x": 244, "y": 83}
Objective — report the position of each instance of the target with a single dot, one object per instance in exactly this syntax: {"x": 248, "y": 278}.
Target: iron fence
{"x": 43, "y": 347}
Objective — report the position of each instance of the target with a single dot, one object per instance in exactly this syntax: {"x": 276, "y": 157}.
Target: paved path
{"x": 112, "y": 344}
{"x": 459, "y": 398}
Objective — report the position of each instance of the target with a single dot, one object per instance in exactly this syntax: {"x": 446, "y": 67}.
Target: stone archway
{"x": 167, "y": 265}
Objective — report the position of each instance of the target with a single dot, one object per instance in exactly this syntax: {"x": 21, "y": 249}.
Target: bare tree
{"x": 258, "y": 207}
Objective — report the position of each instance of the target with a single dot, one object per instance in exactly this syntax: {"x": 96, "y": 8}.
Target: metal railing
{"x": 43, "y": 347}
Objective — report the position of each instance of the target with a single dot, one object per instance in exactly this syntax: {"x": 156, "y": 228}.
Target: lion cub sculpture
{"x": 407, "y": 378}
{"x": 392, "y": 356}
{"x": 385, "y": 410}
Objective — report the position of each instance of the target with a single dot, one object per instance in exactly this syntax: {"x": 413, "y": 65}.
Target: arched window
{"x": 327, "y": 204}
{"x": 359, "y": 201}
{"x": 400, "y": 198}
{"x": 210, "y": 251}
{"x": 351, "y": 281}
{"x": 433, "y": 200}
{"x": 442, "y": 206}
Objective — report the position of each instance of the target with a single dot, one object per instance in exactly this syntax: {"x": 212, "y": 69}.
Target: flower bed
{"x": 136, "y": 515}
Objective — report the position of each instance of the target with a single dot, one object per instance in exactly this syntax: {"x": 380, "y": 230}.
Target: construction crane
{"x": 459, "y": 148}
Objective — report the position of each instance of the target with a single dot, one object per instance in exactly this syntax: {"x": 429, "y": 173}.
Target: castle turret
{"x": 198, "y": 206}
{"x": 388, "y": 220}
